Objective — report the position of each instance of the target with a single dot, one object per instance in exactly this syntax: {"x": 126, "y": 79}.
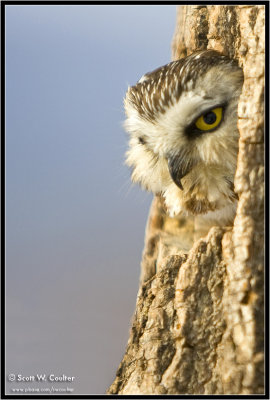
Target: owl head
{"x": 182, "y": 123}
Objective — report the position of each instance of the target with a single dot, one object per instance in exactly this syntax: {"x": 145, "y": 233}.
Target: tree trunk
{"x": 198, "y": 327}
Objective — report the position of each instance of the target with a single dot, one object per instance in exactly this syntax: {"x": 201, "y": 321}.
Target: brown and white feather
{"x": 160, "y": 108}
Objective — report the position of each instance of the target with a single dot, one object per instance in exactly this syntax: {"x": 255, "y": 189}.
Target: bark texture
{"x": 198, "y": 327}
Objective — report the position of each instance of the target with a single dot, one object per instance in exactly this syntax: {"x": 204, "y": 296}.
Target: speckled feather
{"x": 193, "y": 172}
{"x": 161, "y": 88}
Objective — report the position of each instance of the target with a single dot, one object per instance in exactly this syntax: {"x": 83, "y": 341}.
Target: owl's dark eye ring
{"x": 206, "y": 122}
{"x": 209, "y": 120}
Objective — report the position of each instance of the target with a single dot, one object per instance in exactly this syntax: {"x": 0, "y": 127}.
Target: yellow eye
{"x": 210, "y": 120}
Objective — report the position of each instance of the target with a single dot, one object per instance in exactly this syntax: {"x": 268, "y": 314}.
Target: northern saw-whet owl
{"x": 182, "y": 121}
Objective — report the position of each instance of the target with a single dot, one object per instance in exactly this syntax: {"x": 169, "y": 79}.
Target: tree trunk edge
{"x": 198, "y": 326}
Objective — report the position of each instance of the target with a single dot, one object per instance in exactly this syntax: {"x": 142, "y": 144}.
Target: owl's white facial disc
{"x": 182, "y": 121}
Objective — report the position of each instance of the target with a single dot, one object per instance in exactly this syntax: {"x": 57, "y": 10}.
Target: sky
{"x": 74, "y": 222}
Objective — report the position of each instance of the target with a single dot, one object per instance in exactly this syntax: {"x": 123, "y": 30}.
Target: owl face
{"x": 182, "y": 121}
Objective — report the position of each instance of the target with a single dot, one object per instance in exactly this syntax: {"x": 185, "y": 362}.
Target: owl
{"x": 183, "y": 138}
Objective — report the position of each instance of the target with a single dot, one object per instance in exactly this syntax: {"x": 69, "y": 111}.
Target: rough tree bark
{"x": 198, "y": 327}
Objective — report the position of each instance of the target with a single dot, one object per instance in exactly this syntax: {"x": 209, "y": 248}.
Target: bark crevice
{"x": 198, "y": 327}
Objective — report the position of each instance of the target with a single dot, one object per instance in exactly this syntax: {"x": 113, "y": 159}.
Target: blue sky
{"x": 74, "y": 223}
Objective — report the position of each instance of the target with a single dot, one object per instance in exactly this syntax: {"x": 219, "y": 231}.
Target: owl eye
{"x": 210, "y": 120}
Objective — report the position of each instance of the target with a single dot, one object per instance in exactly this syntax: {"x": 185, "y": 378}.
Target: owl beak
{"x": 179, "y": 166}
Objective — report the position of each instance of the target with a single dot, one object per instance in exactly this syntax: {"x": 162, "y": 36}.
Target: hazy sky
{"x": 74, "y": 224}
